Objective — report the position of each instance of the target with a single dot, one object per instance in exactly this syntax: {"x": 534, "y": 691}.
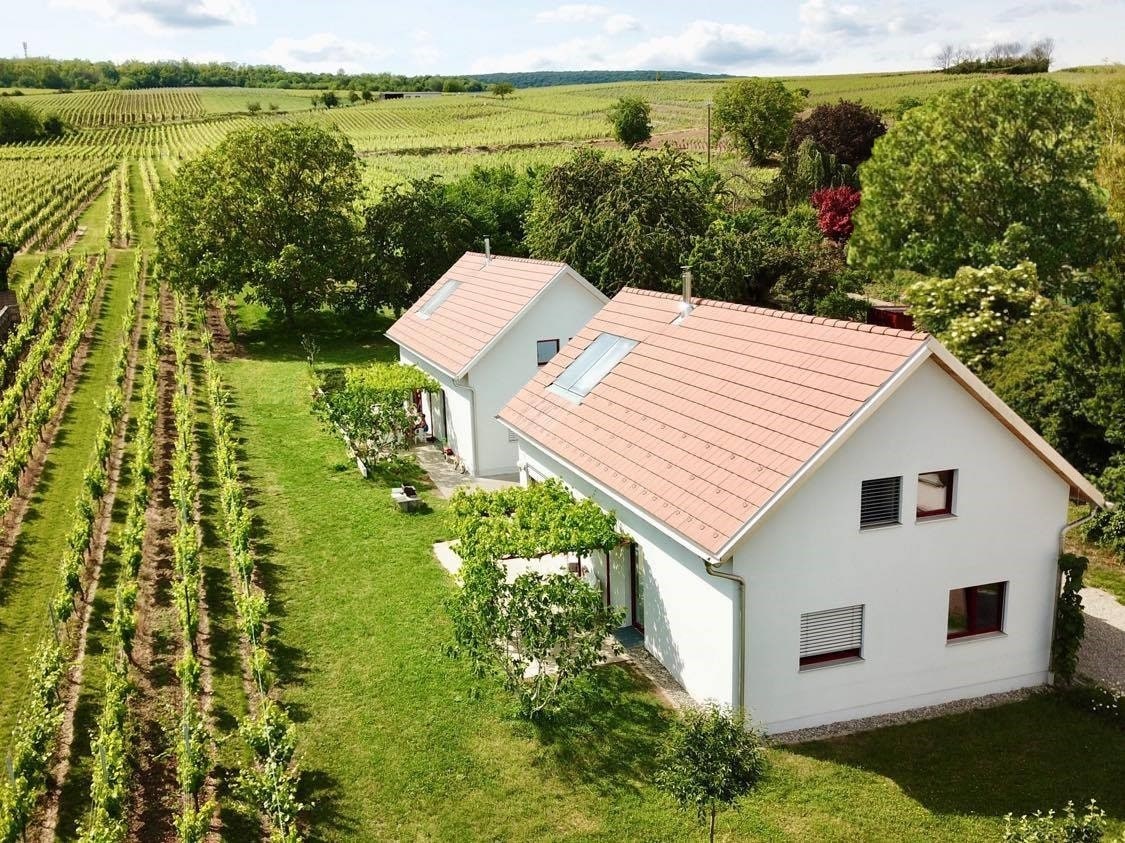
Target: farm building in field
{"x": 482, "y": 331}
{"x": 829, "y": 520}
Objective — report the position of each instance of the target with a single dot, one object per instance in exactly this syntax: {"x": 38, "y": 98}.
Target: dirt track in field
{"x": 155, "y": 797}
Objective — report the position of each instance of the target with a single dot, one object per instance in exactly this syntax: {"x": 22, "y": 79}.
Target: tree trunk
{"x": 712, "y": 822}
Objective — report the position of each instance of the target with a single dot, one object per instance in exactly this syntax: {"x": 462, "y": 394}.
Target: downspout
{"x": 712, "y": 567}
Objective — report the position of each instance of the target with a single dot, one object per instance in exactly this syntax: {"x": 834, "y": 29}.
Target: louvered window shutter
{"x": 831, "y": 632}
{"x": 880, "y": 502}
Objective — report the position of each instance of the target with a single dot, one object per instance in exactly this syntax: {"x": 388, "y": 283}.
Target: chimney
{"x": 686, "y": 306}
{"x": 487, "y": 251}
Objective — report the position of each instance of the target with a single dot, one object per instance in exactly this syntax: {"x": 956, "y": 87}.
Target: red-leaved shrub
{"x": 834, "y": 209}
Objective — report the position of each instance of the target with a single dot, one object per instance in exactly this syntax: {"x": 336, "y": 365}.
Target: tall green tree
{"x": 631, "y": 120}
{"x": 757, "y": 114}
{"x": 621, "y": 221}
{"x": 496, "y": 200}
{"x": 269, "y": 209}
{"x": 996, "y": 172}
{"x": 411, "y": 236}
{"x": 756, "y": 257}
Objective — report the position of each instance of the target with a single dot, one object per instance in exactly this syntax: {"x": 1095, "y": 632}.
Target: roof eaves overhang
{"x": 424, "y": 358}
{"x": 488, "y": 346}
{"x": 1080, "y": 487}
{"x": 620, "y": 501}
{"x": 821, "y": 455}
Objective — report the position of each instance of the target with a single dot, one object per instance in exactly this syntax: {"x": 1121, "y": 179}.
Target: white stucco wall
{"x": 560, "y": 312}
{"x": 688, "y": 614}
{"x": 458, "y": 402}
{"x": 809, "y": 555}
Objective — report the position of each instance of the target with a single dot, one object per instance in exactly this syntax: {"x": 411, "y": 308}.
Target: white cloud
{"x": 617, "y": 24}
{"x": 425, "y": 52}
{"x": 828, "y": 19}
{"x": 167, "y": 15}
{"x": 573, "y": 13}
{"x": 325, "y": 53}
{"x": 708, "y": 46}
{"x": 719, "y": 47}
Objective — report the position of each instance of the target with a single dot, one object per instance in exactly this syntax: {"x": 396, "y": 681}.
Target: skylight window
{"x": 437, "y": 299}
{"x": 593, "y": 364}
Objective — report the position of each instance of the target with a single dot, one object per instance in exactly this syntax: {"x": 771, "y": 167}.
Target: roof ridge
{"x": 515, "y": 258}
{"x": 785, "y": 314}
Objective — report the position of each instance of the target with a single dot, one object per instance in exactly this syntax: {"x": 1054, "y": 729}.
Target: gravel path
{"x": 1102, "y": 657}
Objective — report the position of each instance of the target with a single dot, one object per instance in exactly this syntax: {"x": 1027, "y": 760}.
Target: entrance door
{"x": 637, "y": 575}
{"x": 438, "y": 425}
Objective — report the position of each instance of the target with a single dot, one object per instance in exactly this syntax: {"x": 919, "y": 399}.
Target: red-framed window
{"x": 976, "y": 610}
{"x": 935, "y": 494}
{"x": 545, "y": 350}
{"x": 831, "y": 635}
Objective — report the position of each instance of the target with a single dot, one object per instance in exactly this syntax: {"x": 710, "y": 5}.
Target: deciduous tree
{"x": 709, "y": 761}
{"x": 997, "y": 171}
{"x": 756, "y": 257}
{"x": 834, "y": 209}
{"x": 411, "y": 236}
{"x": 847, "y": 130}
{"x": 503, "y": 89}
{"x": 621, "y": 221}
{"x": 630, "y": 117}
{"x": 269, "y": 209}
{"x": 757, "y": 114}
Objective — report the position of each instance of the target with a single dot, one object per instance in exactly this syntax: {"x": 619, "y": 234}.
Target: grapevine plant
{"x": 193, "y": 740}
{"x": 109, "y": 785}
{"x": 540, "y": 634}
{"x": 271, "y": 783}
{"x": 42, "y": 713}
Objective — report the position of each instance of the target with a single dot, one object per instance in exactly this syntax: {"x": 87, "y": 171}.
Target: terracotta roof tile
{"x": 704, "y": 421}
{"x": 489, "y": 297}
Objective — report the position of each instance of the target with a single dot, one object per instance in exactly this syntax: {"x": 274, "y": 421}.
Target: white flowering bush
{"x": 972, "y": 312}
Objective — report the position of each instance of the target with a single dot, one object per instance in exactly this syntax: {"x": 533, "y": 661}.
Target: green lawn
{"x": 396, "y": 746}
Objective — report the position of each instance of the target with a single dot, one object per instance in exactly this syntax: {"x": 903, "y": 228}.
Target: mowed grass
{"x": 32, "y": 574}
{"x": 395, "y": 745}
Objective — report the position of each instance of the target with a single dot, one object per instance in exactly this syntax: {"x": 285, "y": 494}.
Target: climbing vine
{"x": 539, "y": 633}
{"x": 1070, "y": 623}
{"x": 529, "y": 522}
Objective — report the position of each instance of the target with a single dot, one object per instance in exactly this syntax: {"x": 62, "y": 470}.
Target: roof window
{"x": 438, "y": 299}
{"x": 591, "y": 366}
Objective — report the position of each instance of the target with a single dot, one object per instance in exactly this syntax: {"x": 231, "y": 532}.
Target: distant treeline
{"x": 1005, "y": 57}
{"x": 547, "y": 78}
{"x": 79, "y": 74}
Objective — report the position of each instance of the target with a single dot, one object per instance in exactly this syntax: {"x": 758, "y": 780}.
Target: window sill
{"x": 808, "y": 668}
{"x": 980, "y": 636}
{"x": 874, "y": 528}
{"x": 928, "y": 519}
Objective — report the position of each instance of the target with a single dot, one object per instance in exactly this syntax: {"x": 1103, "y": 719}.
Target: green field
{"x": 393, "y": 741}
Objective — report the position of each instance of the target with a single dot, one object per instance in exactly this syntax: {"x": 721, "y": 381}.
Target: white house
{"x": 482, "y": 331}
{"x": 830, "y": 520}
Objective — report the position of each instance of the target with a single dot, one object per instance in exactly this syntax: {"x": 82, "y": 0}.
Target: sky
{"x": 743, "y": 37}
